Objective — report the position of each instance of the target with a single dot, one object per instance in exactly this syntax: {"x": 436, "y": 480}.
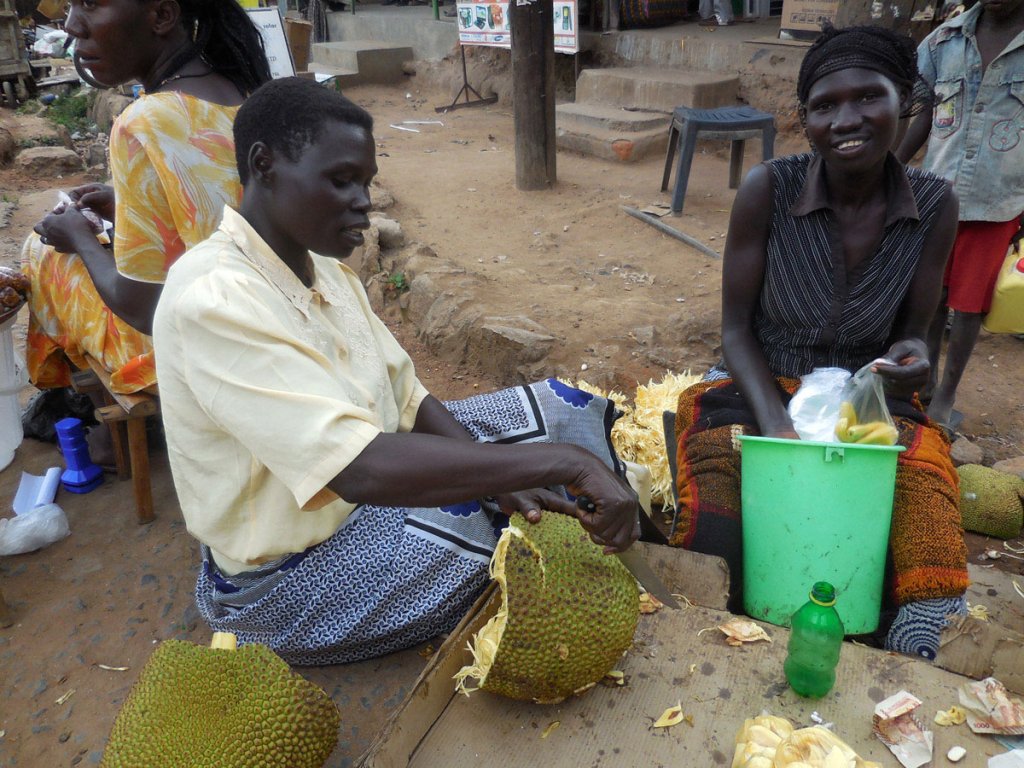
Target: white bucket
{"x": 12, "y": 378}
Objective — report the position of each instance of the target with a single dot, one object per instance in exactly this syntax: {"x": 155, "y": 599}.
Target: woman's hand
{"x": 906, "y": 369}
{"x": 613, "y": 521}
{"x": 65, "y": 230}
{"x": 95, "y": 197}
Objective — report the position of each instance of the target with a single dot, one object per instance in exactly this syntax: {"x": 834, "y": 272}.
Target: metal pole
{"x": 661, "y": 226}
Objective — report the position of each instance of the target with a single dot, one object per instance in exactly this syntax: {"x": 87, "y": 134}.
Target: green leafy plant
{"x": 397, "y": 283}
{"x": 72, "y": 111}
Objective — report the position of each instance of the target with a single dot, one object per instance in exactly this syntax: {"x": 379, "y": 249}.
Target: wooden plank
{"x": 701, "y": 579}
{"x": 140, "y": 404}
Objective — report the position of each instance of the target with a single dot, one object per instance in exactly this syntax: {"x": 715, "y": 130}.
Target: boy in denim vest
{"x": 974, "y": 64}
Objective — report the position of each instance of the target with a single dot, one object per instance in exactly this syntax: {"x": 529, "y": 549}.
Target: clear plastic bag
{"x": 33, "y": 530}
{"x": 814, "y": 409}
{"x": 863, "y": 415}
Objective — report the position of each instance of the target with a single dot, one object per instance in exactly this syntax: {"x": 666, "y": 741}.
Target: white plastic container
{"x": 12, "y": 378}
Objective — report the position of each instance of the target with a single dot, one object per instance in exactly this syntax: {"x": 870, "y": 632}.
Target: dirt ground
{"x": 602, "y": 290}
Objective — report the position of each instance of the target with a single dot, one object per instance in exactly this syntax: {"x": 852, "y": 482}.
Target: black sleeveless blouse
{"x": 812, "y": 313}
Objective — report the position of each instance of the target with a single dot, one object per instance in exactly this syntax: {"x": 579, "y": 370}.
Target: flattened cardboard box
{"x": 806, "y": 16}
{"x": 673, "y": 659}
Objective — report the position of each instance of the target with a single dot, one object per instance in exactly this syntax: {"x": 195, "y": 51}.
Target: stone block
{"x": 49, "y": 161}
{"x": 656, "y": 90}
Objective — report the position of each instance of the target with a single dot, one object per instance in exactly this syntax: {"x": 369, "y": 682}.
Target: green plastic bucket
{"x": 815, "y": 512}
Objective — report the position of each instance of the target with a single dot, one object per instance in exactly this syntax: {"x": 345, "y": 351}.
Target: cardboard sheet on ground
{"x": 717, "y": 685}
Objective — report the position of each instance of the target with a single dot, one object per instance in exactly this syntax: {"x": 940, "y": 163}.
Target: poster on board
{"x": 279, "y": 55}
{"x": 486, "y": 23}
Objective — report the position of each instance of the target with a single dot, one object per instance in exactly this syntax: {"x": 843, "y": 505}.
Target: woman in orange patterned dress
{"x": 173, "y": 169}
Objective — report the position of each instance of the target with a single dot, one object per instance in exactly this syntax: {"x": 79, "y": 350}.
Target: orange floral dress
{"x": 172, "y": 161}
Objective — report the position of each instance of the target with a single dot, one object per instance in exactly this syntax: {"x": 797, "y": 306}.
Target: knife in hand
{"x": 636, "y": 564}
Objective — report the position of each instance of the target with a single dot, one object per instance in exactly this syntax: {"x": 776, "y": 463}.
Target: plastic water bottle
{"x": 815, "y": 640}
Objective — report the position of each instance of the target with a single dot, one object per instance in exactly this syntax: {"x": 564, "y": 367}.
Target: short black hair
{"x": 287, "y": 115}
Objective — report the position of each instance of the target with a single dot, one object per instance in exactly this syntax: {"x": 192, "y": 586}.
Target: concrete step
{"x": 610, "y": 144}
{"x": 375, "y": 62}
{"x": 611, "y": 117}
{"x": 656, "y": 90}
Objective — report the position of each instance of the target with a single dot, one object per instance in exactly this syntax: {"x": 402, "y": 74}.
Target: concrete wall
{"x": 430, "y": 40}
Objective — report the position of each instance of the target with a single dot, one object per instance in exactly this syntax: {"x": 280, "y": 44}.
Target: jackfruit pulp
{"x": 222, "y": 708}
{"x": 568, "y": 613}
{"x": 991, "y": 501}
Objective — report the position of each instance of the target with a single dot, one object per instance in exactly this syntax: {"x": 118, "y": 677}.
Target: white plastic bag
{"x": 814, "y": 408}
{"x": 33, "y": 530}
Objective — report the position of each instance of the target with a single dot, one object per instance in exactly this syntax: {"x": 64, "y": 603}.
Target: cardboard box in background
{"x": 802, "y": 19}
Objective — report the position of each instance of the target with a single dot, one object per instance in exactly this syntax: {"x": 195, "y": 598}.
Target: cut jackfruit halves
{"x": 222, "y": 708}
{"x": 568, "y": 613}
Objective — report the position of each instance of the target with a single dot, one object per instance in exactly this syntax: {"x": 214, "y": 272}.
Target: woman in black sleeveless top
{"x": 835, "y": 258}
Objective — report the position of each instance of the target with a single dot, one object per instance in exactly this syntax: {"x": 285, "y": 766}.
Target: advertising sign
{"x": 279, "y": 55}
{"x": 487, "y": 23}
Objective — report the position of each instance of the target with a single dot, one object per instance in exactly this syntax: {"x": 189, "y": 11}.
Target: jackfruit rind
{"x": 990, "y": 501}
{"x": 205, "y": 708}
{"x": 568, "y": 613}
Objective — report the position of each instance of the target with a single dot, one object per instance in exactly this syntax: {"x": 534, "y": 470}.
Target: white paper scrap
{"x": 36, "y": 490}
{"x": 1014, "y": 759}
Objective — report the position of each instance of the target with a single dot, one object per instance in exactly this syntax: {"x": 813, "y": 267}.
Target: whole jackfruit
{"x": 990, "y": 501}
{"x": 568, "y": 613}
{"x": 222, "y": 708}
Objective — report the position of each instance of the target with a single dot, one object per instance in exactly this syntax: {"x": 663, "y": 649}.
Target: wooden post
{"x": 533, "y": 92}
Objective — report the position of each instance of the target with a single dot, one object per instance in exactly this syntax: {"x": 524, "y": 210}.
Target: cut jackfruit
{"x": 568, "y": 613}
{"x": 990, "y": 501}
{"x": 222, "y": 708}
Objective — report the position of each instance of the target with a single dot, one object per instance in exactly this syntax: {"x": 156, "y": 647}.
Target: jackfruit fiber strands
{"x": 639, "y": 436}
{"x": 568, "y": 613}
{"x": 712, "y": 413}
{"x": 210, "y": 708}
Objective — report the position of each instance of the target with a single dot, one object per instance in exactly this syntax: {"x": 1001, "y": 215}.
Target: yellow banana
{"x": 846, "y": 411}
{"x": 843, "y": 430}
{"x": 872, "y": 433}
{"x": 883, "y": 434}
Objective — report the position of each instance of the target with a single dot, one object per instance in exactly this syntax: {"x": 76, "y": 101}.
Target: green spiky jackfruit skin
{"x": 568, "y": 627}
{"x": 990, "y": 501}
{"x": 204, "y": 708}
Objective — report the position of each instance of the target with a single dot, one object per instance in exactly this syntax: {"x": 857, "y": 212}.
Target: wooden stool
{"x": 124, "y": 414}
{"x": 735, "y": 124}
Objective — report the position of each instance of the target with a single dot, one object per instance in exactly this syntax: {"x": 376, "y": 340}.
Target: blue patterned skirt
{"x": 392, "y": 577}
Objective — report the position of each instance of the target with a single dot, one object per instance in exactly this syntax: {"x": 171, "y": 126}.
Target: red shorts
{"x": 978, "y": 254}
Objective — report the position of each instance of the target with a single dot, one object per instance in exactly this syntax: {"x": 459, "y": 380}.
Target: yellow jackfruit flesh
{"x": 568, "y": 613}
{"x": 221, "y": 708}
{"x": 990, "y": 501}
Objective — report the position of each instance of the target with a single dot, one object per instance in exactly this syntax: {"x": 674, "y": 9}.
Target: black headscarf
{"x": 875, "y": 48}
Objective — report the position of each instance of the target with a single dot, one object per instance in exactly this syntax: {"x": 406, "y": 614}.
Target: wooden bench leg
{"x": 6, "y": 619}
{"x": 138, "y": 452}
{"x": 119, "y": 442}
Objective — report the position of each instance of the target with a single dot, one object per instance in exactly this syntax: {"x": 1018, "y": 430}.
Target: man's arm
{"x": 917, "y": 134}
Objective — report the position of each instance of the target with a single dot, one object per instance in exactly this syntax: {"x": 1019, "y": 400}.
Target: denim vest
{"x": 977, "y": 133}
